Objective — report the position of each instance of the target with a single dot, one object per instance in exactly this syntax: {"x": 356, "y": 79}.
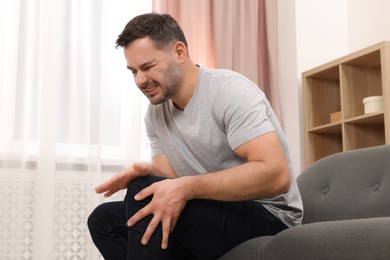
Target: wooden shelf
{"x": 371, "y": 119}
{"x": 341, "y": 85}
{"x": 331, "y": 128}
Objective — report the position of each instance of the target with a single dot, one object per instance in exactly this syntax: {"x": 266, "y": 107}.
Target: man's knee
{"x": 103, "y": 216}
{"x": 139, "y": 184}
{"x": 94, "y": 220}
{"x": 136, "y": 186}
{"x": 132, "y": 206}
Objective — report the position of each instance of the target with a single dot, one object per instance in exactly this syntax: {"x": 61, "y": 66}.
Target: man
{"x": 220, "y": 172}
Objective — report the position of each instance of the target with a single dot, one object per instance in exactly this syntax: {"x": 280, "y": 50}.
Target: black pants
{"x": 206, "y": 229}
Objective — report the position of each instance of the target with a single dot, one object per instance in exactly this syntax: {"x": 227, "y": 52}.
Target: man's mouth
{"x": 150, "y": 89}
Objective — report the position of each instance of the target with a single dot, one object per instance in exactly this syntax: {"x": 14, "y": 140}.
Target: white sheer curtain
{"x": 70, "y": 116}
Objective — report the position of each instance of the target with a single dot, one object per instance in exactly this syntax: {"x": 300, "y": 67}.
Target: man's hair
{"x": 161, "y": 28}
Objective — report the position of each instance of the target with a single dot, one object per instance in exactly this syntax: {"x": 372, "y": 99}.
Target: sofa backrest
{"x": 348, "y": 185}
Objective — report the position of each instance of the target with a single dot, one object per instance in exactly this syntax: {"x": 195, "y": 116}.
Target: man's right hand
{"x": 122, "y": 179}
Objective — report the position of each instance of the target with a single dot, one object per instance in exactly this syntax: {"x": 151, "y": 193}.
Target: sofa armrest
{"x": 345, "y": 239}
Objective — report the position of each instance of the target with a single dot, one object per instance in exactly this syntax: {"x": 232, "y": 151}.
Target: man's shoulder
{"x": 217, "y": 81}
{"x": 219, "y": 74}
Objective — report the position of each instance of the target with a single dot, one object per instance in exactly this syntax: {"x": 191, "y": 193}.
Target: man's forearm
{"x": 252, "y": 180}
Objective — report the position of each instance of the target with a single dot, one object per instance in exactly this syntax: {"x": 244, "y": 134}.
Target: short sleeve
{"x": 154, "y": 140}
{"x": 242, "y": 110}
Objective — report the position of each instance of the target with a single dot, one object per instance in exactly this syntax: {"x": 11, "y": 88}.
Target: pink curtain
{"x": 234, "y": 34}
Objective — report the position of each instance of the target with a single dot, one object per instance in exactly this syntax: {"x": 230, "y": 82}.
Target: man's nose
{"x": 141, "y": 78}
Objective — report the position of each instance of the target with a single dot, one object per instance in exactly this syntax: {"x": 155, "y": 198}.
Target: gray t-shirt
{"x": 225, "y": 111}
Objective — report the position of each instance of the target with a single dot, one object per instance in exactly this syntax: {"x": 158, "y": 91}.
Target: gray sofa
{"x": 346, "y": 199}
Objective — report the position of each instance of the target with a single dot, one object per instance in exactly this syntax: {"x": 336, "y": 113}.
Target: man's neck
{"x": 186, "y": 88}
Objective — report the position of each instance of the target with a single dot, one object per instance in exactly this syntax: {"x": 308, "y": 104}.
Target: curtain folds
{"x": 70, "y": 116}
{"x": 234, "y": 34}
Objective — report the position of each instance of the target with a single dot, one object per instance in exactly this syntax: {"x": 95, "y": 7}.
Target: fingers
{"x": 109, "y": 185}
{"x": 150, "y": 230}
{"x": 108, "y": 188}
{"x": 121, "y": 179}
{"x": 166, "y": 229}
{"x": 115, "y": 183}
{"x": 139, "y": 215}
{"x": 146, "y": 192}
{"x": 144, "y": 211}
{"x": 101, "y": 188}
{"x": 109, "y": 193}
{"x": 151, "y": 227}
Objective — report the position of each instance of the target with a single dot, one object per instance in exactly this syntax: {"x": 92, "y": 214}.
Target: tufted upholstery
{"x": 348, "y": 185}
{"x": 346, "y": 199}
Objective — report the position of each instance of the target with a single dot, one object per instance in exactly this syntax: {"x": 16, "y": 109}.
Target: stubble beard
{"x": 174, "y": 76}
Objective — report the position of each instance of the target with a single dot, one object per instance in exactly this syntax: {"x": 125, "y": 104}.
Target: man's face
{"x": 156, "y": 72}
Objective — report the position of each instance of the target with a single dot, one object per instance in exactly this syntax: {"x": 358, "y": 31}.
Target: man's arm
{"x": 265, "y": 174}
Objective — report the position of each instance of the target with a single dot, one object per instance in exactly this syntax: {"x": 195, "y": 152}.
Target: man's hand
{"x": 122, "y": 179}
{"x": 166, "y": 205}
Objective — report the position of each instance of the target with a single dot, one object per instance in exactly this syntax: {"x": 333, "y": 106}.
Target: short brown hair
{"x": 161, "y": 28}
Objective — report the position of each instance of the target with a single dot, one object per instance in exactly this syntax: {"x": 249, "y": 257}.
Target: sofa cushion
{"x": 251, "y": 249}
{"x": 349, "y": 185}
{"x": 358, "y": 239}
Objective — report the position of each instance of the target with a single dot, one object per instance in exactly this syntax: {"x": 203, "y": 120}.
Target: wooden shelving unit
{"x": 341, "y": 85}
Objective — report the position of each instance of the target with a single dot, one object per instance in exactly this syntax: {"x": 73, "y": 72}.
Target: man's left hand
{"x": 166, "y": 205}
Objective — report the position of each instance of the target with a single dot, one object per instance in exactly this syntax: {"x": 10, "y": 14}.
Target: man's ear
{"x": 180, "y": 51}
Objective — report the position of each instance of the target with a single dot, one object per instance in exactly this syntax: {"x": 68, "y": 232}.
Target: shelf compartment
{"x": 360, "y": 134}
{"x": 322, "y": 94}
{"x": 325, "y": 144}
{"x": 360, "y": 77}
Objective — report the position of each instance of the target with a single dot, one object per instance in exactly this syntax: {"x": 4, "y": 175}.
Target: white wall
{"x": 288, "y": 81}
{"x": 313, "y": 32}
{"x": 322, "y": 34}
{"x": 368, "y": 23}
